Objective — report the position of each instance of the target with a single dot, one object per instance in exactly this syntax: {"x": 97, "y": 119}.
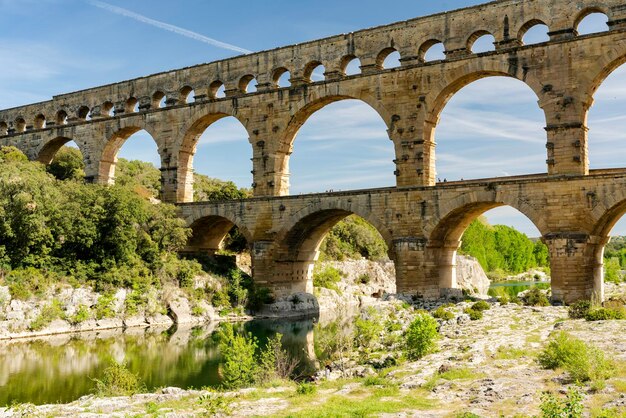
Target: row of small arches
{"x": 534, "y": 31}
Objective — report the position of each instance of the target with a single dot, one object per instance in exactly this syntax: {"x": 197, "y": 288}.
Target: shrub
{"x": 328, "y": 278}
{"x": 605, "y": 314}
{"x": 275, "y": 361}
{"x": 215, "y": 403}
{"x": 367, "y": 332}
{"x": 421, "y": 336}
{"x": 25, "y": 282}
{"x": 473, "y": 314}
{"x": 81, "y": 315}
{"x": 535, "y": 297}
{"x": 582, "y": 361}
{"x": 442, "y": 313}
{"x": 117, "y": 380}
{"x": 306, "y": 389}
{"x": 579, "y": 309}
{"x": 48, "y": 314}
{"x": 364, "y": 279}
{"x": 481, "y": 305}
{"x": 260, "y": 296}
{"x": 104, "y": 306}
{"x": 239, "y": 367}
{"x": 571, "y": 407}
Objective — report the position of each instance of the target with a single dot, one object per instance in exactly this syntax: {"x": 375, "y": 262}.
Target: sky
{"x": 492, "y": 127}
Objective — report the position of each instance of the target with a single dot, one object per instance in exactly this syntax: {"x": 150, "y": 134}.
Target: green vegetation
{"x": 501, "y": 248}
{"x": 117, "y": 380}
{"x": 604, "y": 314}
{"x": 582, "y": 361}
{"x": 571, "y": 406}
{"x": 48, "y": 314}
{"x": 535, "y": 297}
{"x": 327, "y": 277}
{"x": 615, "y": 260}
{"x": 353, "y": 238}
{"x": 473, "y": 314}
{"x": 481, "y": 305}
{"x": 421, "y": 336}
{"x": 443, "y": 313}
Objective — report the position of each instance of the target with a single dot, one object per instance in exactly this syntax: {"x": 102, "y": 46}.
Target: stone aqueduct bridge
{"x": 421, "y": 221}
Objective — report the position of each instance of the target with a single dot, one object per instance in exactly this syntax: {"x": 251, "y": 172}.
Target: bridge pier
{"x": 575, "y": 270}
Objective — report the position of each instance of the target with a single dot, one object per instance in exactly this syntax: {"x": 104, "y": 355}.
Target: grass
{"x": 366, "y": 402}
{"x": 509, "y": 353}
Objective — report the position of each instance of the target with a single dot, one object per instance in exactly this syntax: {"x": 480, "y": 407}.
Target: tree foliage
{"x": 502, "y": 248}
{"x": 354, "y": 238}
{"x": 67, "y": 164}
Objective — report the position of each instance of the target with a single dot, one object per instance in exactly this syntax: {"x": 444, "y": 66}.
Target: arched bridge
{"x": 421, "y": 220}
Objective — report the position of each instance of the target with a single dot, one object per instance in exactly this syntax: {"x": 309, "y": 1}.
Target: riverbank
{"x": 487, "y": 367}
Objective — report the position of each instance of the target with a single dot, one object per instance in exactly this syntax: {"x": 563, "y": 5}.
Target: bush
{"x": 117, "y": 380}
{"x": 421, "y": 336}
{"x": 473, "y": 314}
{"x": 535, "y": 297}
{"x": 81, "y": 315}
{"x": 306, "y": 389}
{"x": 275, "y": 361}
{"x": 328, "y": 278}
{"x": 364, "y": 279}
{"x": 239, "y": 367}
{"x": 104, "y": 306}
{"x": 27, "y": 282}
{"x": 48, "y": 314}
{"x": 481, "y": 305}
{"x": 579, "y": 309}
{"x": 582, "y": 361}
{"x": 605, "y": 314}
{"x": 367, "y": 332}
{"x": 214, "y": 404}
{"x": 442, "y": 313}
{"x": 571, "y": 407}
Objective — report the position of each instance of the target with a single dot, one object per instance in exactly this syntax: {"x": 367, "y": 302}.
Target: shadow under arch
{"x": 299, "y": 243}
{"x": 209, "y": 232}
{"x": 187, "y": 150}
{"x": 108, "y": 158}
{"x": 445, "y": 234}
{"x": 49, "y": 150}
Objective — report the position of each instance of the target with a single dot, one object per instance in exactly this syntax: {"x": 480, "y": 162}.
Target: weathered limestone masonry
{"x": 422, "y": 221}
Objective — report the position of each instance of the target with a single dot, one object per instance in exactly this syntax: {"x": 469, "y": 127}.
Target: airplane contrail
{"x": 167, "y": 26}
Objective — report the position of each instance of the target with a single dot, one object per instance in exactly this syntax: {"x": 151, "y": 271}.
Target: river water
{"x": 61, "y": 369}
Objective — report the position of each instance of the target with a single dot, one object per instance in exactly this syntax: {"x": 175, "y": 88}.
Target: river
{"x": 61, "y": 369}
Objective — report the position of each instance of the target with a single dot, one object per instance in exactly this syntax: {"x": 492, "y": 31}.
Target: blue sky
{"x": 57, "y": 46}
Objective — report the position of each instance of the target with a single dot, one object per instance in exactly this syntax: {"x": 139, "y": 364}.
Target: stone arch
{"x": 471, "y": 40}
{"x": 444, "y": 232}
{"x": 185, "y": 94}
{"x": 187, "y": 149}
{"x": 210, "y": 230}
{"x": 306, "y": 108}
{"x": 300, "y": 238}
{"x": 214, "y": 89}
{"x": 107, "y": 109}
{"x": 20, "y": 124}
{"x": 158, "y": 99}
{"x": 309, "y": 68}
{"x": 244, "y": 83}
{"x": 586, "y": 12}
{"x": 382, "y": 56}
{"x": 82, "y": 112}
{"x": 277, "y": 74}
{"x": 108, "y": 157}
{"x": 49, "y": 149}
{"x": 40, "y": 121}
{"x": 426, "y": 46}
{"x": 454, "y": 81}
{"x": 528, "y": 26}
{"x": 345, "y": 61}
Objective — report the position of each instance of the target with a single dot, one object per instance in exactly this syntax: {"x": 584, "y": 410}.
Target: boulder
{"x": 470, "y": 275}
{"x": 181, "y": 312}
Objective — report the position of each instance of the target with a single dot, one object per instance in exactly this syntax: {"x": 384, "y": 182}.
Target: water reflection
{"x": 61, "y": 368}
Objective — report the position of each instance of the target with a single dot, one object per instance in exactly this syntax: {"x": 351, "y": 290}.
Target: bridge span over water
{"x": 421, "y": 221}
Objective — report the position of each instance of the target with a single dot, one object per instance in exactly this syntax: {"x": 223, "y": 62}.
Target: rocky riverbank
{"x": 487, "y": 367}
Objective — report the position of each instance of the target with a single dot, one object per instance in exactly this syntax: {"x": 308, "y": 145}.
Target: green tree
{"x": 239, "y": 367}
{"x": 67, "y": 164}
